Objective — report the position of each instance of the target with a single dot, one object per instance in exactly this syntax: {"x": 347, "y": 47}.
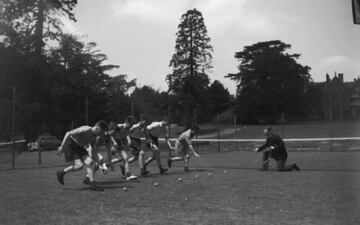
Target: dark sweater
{"x": 279, "y": 153}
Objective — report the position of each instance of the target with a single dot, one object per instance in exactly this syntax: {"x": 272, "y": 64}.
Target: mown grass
{"x": 325, "y": 191}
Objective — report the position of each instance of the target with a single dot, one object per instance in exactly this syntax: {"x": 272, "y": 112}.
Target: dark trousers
{"x": 280, "y": 164}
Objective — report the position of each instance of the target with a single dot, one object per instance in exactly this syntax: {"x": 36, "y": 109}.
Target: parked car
{"x": 32, "y": 146}
{"x": 45, "y": 142}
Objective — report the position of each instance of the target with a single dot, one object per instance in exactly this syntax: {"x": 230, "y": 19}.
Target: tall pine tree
{"x": 191, "y": 62}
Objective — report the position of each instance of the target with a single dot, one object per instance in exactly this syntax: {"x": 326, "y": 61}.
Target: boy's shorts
{"x": 182, "y": 148}
{"x": 153, "y": 140}
{"x": 120, "y": 144}
{"x": 135, "y": 146}
{"x": 75, "y": 152}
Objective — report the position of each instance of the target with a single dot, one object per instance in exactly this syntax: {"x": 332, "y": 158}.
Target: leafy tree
{"x": 29, "y": 23}
{"x": 119, "y": 102}
{"x": 270, "y": 82}
{"x": 219, "y": 97}
{"x": 151, "y": 102}
{"x": 79, "y": 72}
{"x": 190, "y": 62}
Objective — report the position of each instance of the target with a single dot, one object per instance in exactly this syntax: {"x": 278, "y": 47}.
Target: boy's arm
{"x": 167, "y": 135}
{"x": 193, "y": 150}
{"x": 170, "y": 146}
{"x": 63, "y": 143}
{"x": 262, "y": 147}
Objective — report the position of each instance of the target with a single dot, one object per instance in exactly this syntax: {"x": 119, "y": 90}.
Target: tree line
{"x": 58, "y": 76}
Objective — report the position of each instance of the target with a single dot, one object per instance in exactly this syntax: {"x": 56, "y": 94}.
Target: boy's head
{"x": 100, "y": 128}
{"x": 144, "y": 119}
{"x": 267, "y": 131}
{"x": 194, "y": 129}
{"x": 165, "y": 120}
{"x": 130, "y": 120}
{"x": 112, "y": 126}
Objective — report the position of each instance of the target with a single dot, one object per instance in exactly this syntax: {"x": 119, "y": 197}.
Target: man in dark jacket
{"x": 275, "y": 148}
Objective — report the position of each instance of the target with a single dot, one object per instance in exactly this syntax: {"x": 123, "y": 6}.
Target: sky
{"x": 140, "y": 35}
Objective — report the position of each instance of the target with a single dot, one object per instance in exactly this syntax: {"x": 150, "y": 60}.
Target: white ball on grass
{"x": 124, "y": 188}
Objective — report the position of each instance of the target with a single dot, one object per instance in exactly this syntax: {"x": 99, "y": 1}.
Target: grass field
{"x": 325, "y": 191}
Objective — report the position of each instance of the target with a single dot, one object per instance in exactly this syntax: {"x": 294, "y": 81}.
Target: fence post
{"x": 218, "y": 130}
{"x": 331, "y": 129}
{"x": 235, "y": 133}
{"x": 39, "y": 156}
{"x": 282, "y": 125}
{"x": 132, "y": 108}
{"x": 86, "y": 110}
{"x": 13, "y": 127}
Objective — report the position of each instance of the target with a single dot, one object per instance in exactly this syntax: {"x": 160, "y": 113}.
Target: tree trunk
{"x": 39, "y": 29}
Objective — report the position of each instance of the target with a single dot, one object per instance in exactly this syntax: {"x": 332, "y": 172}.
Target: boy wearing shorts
{"x": 182, "y": 147}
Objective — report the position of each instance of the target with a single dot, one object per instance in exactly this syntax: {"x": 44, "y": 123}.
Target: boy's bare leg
{"x": 186, "y": 162}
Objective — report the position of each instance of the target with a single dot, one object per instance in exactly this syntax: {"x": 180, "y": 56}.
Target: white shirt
{"x": 157, "y": 128}
{"x": 136, "y": 131}
{"x": 121, "y": 132}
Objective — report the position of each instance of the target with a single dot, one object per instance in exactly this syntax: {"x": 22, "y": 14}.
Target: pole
{"x": 218, "y": 130}
{"x": 132, "y": 108}
{"x": 13, "y": 128}
{"x": 331, "y": 129}
{"x": 235, "y": 129}
{"x": 86, "y": 110}
{"x": 282, "y": 124}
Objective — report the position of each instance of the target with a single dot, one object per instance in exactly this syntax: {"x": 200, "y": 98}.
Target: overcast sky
{"x": 139, "y": 35}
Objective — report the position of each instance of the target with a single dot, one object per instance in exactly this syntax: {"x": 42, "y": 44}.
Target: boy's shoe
{"x": 95, "y": 187}
{"x": 163, "y": 171}
{"x": 104, "y": 168}
{"x": 265, "y": 165}
{"x": 296, "y": 167}
{"x": 169, "y": 163}
{"x": 131, "y": 177}
{"x": 144, "y": 172}
{"x": 60, "y": 176}
{"x": 87, "y": 181}
{"x": 122, "y": 168}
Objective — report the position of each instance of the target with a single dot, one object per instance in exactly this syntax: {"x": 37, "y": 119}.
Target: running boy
{"x": 153, "y": 131}
{"x": 182, "y": 146}
{"x": 135, "y": 134}
{"x": 74, "y": 146}
{"x": 118, "y": 134}
{"x": 277, "y": 151}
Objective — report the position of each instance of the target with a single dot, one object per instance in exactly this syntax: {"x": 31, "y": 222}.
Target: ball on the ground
{"x": 156, "y": 184}
{"x": 225, "y": 171}
{"x": 124, "y": 188}
{"x": 180, "y": 179}
{"x": 186, "y": 198}
{"x": 209, "y": 174}
{"x": 197, "y": 176}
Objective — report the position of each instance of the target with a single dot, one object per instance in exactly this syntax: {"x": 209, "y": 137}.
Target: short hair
{"x": 102, "y": 124}
{"x": 130, "y": 119}
{"x": 144, "y": 116}
{"x": 268, "y": 129}
{"x": 112, "y": 126}
{"x": 195, "y": 127}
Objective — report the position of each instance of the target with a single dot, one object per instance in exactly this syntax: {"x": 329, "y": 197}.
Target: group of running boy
{"x": 82, "y": 146}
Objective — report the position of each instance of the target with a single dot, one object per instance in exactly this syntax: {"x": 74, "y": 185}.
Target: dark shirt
{"x": 279, "y": 151}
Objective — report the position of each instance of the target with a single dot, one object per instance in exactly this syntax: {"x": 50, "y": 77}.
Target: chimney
{"x": 341, "y": 77}
{"x": 327, "y": 77}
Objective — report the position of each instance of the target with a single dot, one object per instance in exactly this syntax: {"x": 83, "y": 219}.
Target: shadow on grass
{"x": 101, "y": 188}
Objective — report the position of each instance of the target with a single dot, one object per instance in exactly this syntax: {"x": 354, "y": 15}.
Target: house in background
{"x": 340, "y": 100}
